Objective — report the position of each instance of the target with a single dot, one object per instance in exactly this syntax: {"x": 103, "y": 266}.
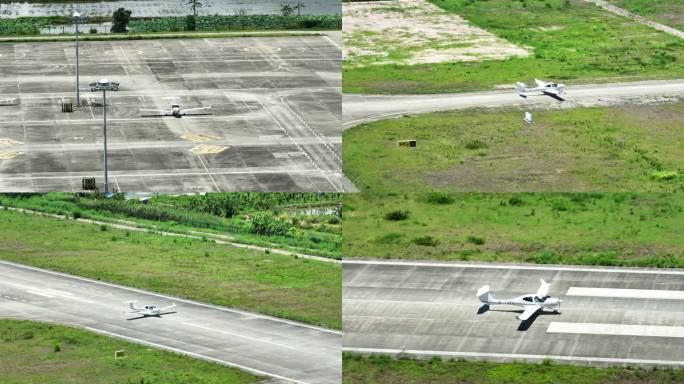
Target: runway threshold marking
{"x": 8, "y": 155}
{"x": 198, "y": 137}
{"x": 609, "y": 360}
{"x": 616, "y": 329}
{"x": 5, "y": 142}
{"x": 626, "y": 293}
{"x": 206, "y": 149}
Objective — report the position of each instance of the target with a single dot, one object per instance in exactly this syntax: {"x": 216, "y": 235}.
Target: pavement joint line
{"x": 132, "y": 227}
{"x": 539, "y": 267}
{"x": 321, "y": 137}
{"x": 208, "y": 173}
{"x": 239, "y": 335}
{"x": 168, "y": 297}
{"x": 615, "y": 329}
{"x": 332, "y": 42}
{"x": 511, "y": 356}
{"x": 143, "y": 174}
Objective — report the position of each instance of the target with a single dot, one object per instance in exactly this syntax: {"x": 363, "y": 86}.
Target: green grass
{"x": 591, "y": 45}
{"x": 624, "y": 229}
{"x": 636, "y": 148}
{"x": 278, "y": 285}
{"x": 221, "y": 214}
{"x": 29, "y": 355}
{"x": 667, "y": 12}
{"x": 385, "y": 370}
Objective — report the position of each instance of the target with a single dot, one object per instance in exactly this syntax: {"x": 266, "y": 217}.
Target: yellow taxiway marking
{"x": 206, "y": 149}
{"x": 198, "y": 137}
{"x": 9, "y": 155}
{"x": 5, "y": 142}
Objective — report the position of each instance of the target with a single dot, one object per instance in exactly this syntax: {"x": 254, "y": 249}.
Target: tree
{"x": 190, "y": 23}
{"x": 121, "y": 18}
{"x": 286, "y": 10}
{"x": 299, "y": 7}
{"x": 194, "y": 5}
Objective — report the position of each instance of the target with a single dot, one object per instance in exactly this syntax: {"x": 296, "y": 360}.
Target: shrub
{"x": 426, "y": 241}
{"x": 475, "y": 144}
{"x": 390, "y": 238}
{"x": 397, "y": 215}
{"x": 121, "y": 18}
{"x": 57, "y": 348}
{"x": 515, "y": 201}
{"x": 439, "y": 198}
{"x": 266, "y": 224}
{"x": 475, "y": 240}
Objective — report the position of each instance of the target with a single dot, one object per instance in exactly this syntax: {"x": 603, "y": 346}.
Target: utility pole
{"x": 105, "y": 85}
{"x": 77, "y": 18}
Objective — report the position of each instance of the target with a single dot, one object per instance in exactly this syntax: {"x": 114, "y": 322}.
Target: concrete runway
{"x": 358, "y": 109}
{"x": 630, "y": 317}
{"x": 275, "y": 123}
{"x": 282, "y": 349}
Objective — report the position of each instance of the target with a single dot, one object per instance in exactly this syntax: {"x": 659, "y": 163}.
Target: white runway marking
{"x": 513, "y": 356}
{"x": 552, "y": 268}
{"x": 240, "y": 336}
{"x": 616, "y": 329}
{"x": 626, "y": 293}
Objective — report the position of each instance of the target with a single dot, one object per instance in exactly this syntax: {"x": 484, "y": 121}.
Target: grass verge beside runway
{"x": 292, "y": 224}
{"x": 283, "y": 286}
{"x": 667, "y": 12}
{"x": 572, "y": 41}
{"x": 625, "y": 229}
{"x": 46, "y": 353}
{"x": 636, "y": 148}
{"x": 385, "y": 370}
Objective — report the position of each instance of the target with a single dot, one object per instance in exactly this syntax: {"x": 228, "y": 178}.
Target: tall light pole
{"x": 105, "y": 85}
{"x": 77, "y": 17}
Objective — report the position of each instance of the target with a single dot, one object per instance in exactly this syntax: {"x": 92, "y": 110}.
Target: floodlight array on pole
{"x": 104, "y": 85}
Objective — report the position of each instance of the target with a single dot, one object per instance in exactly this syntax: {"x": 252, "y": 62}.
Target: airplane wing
{"x": 529, "y": 311}
{"x": 196, "y": 109}
{"x": 160, "y": 112}
{"x": 543, "y": 289}
{"x": 554, "y": 94}
{"x": 167, "y": 308}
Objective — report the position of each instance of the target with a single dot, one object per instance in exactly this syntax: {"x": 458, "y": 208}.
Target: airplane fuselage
{"x": 525, "y": 300}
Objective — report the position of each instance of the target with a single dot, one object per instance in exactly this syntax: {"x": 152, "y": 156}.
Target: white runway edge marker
{"x": 616, "y": 329}
{"x": 626, "y": 293}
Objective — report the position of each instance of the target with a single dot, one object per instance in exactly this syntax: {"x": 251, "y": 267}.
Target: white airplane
{"x": 549, "y": 89}
{"x": 149, "y": 310}
{"x": 8, "y": 102}
{"x": 176, "y": 111}
{"x": 531, "y": 303}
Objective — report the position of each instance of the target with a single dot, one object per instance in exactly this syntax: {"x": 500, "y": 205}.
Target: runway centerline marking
{"x": 616, "y": 329}
{"x": 626, "y": 293}
{"x": 240, "y": 336}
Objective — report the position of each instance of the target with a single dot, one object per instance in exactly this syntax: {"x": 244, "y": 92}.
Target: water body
{"x": 157, "y": 8}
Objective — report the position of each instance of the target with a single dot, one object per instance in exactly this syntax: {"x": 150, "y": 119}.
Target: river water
{"x": 155, "y": 8}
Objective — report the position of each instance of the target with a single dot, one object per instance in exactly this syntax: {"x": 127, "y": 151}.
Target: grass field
{"x": 625, "y": 229}
{"x": 384, "y": 370}
{"x": 221, "y": 215}
{"x": 636, "y": 148}
{"x": 278, "y": 285}
{"x": 39, "y": 353}
{"x": 571, "y": 41}
{"x": 668, "y": 12}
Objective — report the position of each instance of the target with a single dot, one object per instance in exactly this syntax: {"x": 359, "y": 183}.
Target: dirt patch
{"x": 416, "y": 32}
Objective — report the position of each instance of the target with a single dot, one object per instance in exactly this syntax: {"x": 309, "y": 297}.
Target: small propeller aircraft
{"x": 149, "y": 310}
{"x": 8, "y": 102}
{"x": 531, "y": 303}
{"x": 543, "y": 88}
{"x": 176, "y": 111}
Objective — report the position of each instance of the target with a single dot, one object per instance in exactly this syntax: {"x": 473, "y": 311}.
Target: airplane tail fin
{"x": 132, "y": 307}
{"x": 484, "y": 295}
{"x": 521, "y": 88}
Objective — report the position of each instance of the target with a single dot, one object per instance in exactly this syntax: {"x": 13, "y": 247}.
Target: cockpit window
{"x": 528, "y": 298}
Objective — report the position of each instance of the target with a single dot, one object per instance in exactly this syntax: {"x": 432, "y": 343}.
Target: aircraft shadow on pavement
{"x": 524, "y": 325}
{"x": 159, "y": 316}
